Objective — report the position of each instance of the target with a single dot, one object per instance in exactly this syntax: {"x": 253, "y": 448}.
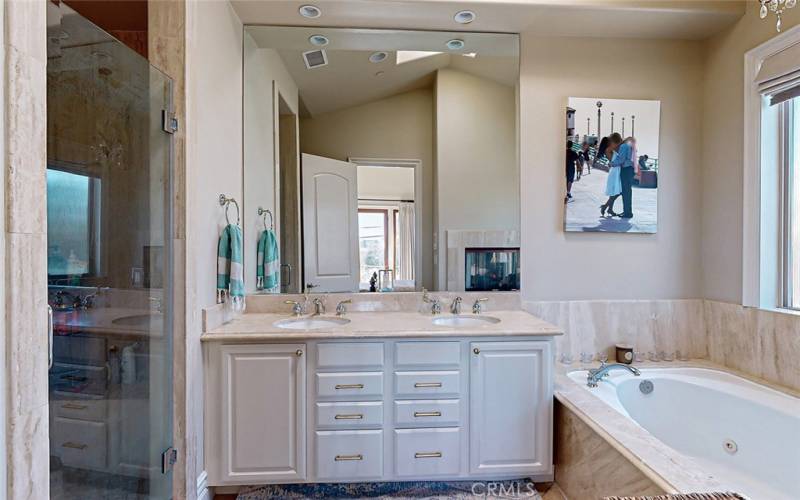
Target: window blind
{"x": 779, "y": 75}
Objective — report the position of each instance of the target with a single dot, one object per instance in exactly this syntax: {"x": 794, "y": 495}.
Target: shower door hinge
{"x": 168, "y": 459}
{"x": 168, "y": 121}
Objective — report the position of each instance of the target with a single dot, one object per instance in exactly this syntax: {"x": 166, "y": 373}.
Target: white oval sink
{"x": 311, "y": 323}
{"x": 139, "y": 320}
{"x": 464, "y": 320}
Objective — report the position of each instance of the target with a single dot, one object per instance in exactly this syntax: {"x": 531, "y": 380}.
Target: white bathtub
{"x": 745, "y": 434}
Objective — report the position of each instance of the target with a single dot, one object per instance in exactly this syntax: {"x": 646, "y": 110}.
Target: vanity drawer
{"x": 427, "y": 452}
{"x": 444, "y": 355}
{"x": 364, "y": 385}
{"x": 77, "y": 406}
{"x": 80, "y": 348}
{"x": 83, "y": 379}
{"x": 349, "y": 454}
{"x": 425, "y": 384}
{"x": 350, "y": 356}
{"x": 427, "y": 413}
{"x": 79, "y": 443}
{"x": 349, "y": 415}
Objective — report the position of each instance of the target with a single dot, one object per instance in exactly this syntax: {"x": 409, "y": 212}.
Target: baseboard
{"x": 203, "y": 493}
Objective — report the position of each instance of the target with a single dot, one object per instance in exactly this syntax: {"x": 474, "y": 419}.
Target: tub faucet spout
{"x": 596, "y": 374}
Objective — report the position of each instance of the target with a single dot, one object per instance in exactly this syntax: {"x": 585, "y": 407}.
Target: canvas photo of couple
{"x": 612, "y": 165}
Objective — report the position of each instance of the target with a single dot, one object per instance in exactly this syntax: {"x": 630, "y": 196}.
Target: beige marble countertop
{"x": 100, "y": 320}
{"x": 260, "y": 326}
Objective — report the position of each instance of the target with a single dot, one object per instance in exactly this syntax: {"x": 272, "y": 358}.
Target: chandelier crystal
{"x": 777, "y": 7}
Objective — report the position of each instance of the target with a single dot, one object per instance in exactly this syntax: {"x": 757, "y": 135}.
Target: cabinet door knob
{"x": 299, "y": 352}
{"x": 476, "y": 350}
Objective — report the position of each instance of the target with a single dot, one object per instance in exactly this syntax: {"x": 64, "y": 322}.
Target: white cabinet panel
{"x": 427, "y": 413}
{"x": 349, "y": 415}
{"x": 442, "y": 384}
{"x": 352, "y": 386}
{"x": 347, "y": 455}
{"x": 427, "y": 355}
{"x": 427, "y": 452}
{"x": 263, "y": 412}
{"x": 510, "y": 414}
{"x": 350, "y": 356}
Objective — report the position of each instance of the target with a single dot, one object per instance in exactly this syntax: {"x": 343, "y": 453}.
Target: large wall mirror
{"x": 379, "y": 159}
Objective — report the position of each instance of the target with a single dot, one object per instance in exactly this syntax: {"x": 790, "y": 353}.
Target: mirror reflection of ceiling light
{"x": 472, "y": 55}
{"x": 380, "y": 73}
{"x": 455, "y": 44}
{"x": 310, "y": 11}
{"x": 318, "y": 40}
{"x": 464, "y": 17}
{"x": 377, "y": 57}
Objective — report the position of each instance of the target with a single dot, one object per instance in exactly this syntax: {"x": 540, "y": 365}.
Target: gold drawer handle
{"x": 353, "y": 416}
{"x": 428, "y": 384}
{"x": 342, "y": 458}
{"x": 432, "y": 454}
{"x": 349, "y": 386}
{"x": 74, "y": 446}
{"x": 427, "y": 414}
{"x": 74, "y": 406}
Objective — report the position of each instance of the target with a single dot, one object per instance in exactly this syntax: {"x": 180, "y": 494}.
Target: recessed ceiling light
{"x": 377, "y": 57}
{"x": 318, "y": 40}
{"x": 464, "y": 17}
{"x": 455, "y": 44}
{"x": 310, "y": 11}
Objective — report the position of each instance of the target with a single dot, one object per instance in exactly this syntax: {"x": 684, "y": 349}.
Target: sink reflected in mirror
{"x": 464, "y": 320}
{"x": 139, "y": 320}
{"x": 311, "y": 323}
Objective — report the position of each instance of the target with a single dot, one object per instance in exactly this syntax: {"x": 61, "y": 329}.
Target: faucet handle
{"x": 341, "y": 310}
{"x": 297, "y": 307}
{"x": 477, "y": 307}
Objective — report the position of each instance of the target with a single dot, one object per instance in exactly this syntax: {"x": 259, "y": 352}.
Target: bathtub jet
{"x": 596, "y": 374}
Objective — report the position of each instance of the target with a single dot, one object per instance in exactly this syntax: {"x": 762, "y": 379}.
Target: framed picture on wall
{"x": 612, "y": 165}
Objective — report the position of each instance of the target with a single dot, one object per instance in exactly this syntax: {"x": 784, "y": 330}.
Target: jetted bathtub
{"x": 745, "y": 434}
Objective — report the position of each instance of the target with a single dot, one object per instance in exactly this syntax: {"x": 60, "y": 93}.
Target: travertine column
{"x": 25, "y": 249}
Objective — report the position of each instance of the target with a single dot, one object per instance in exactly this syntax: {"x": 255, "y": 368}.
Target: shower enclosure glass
{"x": 109, "y": 164}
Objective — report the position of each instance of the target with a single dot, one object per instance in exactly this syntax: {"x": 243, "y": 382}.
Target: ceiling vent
{"x": 315, "y": 58}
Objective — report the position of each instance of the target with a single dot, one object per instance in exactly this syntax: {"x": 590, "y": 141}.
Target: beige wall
{"x": 263, "y": 69}
{"x": 477, "y": 174}
{"x": 560, "y": 266}
{"x": 396, "y": 127}
{"x": 723, "y": 136}
{"x": 214, "y": 166}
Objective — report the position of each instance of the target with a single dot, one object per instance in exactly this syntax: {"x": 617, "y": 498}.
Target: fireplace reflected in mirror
{"x": 491, "y": 269}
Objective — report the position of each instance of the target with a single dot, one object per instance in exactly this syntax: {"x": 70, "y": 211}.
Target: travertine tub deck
{"x": 260, "y": 326}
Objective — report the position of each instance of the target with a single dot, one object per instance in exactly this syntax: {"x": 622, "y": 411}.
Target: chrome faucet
{"x": 319, "y": 306}
{"x": 436, "y": 304}
{"x": 477, "y": 307}
{"x": 455, "y": 307}
{"x": 595, "y": 374}
{"x": 341, "y": 310}
{"x": 297, "y": 307}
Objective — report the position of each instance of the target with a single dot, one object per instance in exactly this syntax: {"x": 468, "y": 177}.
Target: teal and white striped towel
{"x": 230, "y": 274}
{"x": 268, "y": 263}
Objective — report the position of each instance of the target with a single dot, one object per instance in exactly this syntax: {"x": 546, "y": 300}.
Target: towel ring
{"x": 226, "y": 202}
{"x": 265, "y": 212}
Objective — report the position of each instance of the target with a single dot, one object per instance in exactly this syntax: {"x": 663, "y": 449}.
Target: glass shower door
{"x": 109, "y": 165}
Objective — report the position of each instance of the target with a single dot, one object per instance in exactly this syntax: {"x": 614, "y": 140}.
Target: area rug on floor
{"x": 439, "y": 490}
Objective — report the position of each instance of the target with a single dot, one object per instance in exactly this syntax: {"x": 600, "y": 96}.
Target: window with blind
{"x": 778, "y": 83}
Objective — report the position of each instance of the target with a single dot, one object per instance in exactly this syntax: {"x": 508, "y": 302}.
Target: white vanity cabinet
{"x": 258, "y": 410}
{"x": 511, "y": 415}
{"x": 379, "y": 410}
